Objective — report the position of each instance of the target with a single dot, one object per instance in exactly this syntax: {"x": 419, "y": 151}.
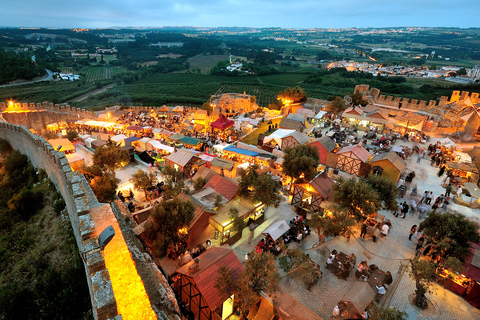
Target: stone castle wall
{"x": 79, "y": 199}
{"x": 414, "y": 104}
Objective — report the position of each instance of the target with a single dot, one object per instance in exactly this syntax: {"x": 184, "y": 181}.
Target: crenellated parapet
{"x": 45, "y": 106}
{"x": 374, "y": 96}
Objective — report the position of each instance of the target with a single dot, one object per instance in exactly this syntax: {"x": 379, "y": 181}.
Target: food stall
{"x": 467, "y": 172}
{"x": 454, "y": 282}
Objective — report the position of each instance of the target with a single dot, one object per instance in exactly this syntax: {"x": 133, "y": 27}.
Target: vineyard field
{"x": 102, "y": 73}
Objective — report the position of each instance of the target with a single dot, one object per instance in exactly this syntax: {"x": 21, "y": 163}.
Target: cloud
{"x": 252, "y": 13}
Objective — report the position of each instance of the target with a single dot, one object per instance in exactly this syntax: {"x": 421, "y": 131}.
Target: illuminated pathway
{"x": 132, "y": 300}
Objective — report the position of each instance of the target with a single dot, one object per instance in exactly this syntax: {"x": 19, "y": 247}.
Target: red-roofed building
{"x": 199, "y": 223}
{"x": 194, "y": 284}
{"x": 223, "y": 185}
{"x": 352, "y": 160}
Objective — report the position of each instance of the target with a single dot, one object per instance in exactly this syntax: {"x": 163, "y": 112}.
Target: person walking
{"x": 429, "y": 198}
{"x": 412, "y": 232}
{"x": 424, "y": 197}
{"x": 448, "y": 190}
{"x": 405, "y": 209}
{"x": 363, "y": 231}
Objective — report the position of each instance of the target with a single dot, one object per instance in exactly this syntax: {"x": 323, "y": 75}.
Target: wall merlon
{"x": 83, "y": 209}
{"x": 87, "y": 226}
{"x": 104, "y": 298}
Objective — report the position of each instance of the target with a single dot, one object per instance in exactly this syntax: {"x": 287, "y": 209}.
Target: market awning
{"x": 61, "y": 145}
{"x": 134, "y": 128}
{"x": 320, "y": 115}
{"x": 119, "y": 137}
{"x": 360, "y": 295}
{"x": 222, "y": 123}
{"x": 157, "y": 145}
{"x": 190, "y": 141}
{"x": 277, "y": 229}
{"x": 473, "y": 189}
{"x": 132, "y": 139}
{"x": 241, "y": 151}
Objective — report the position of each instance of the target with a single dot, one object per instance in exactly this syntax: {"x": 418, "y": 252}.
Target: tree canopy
{"x": 110, "y": 157}
{"x": 357, "y": 196}
{"x": 143, "y": 181}
{"x": 386, "y": 190}
{"x": 266, "y": 190}
{"x": 292, "y": 95}
{"x": 338, "y": 105}
{"x": 451, "y": 232}
{"x": 301, "y": 161}
{"x": 170, "y": 219}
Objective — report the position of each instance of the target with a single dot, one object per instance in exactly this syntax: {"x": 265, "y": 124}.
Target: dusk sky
{"x": 245, "y": 13}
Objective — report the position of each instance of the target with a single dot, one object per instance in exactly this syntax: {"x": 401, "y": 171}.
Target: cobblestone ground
{"x": 387, "y": 253}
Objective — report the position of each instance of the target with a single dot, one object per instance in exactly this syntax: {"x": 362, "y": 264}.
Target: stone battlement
{"x": 422, "y": 105}
{"x": 83, "y": 208}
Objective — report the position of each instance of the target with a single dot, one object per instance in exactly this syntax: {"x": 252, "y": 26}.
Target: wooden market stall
{"x": 194, "y": 284}
{"x": 62, "y": 145}
{"x": 467, "y": 172}
{"x": 390, "y": 163}
{"x": 183, "y": 161}
{"x": 311, "y": 195}
{"x": 222, "y": 222}
{"x": 324, "y": 145}
{"x": 352, "y": 159}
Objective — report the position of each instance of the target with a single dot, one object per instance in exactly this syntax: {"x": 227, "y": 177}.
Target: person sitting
{"x": 299, "y": 236}
{"x": 388, "y": 278}
{"x": 384, "y": 230}
{"x": 361, "y": 270}
{"x": 380, "y": 293}
{"x": 330, "y": 259}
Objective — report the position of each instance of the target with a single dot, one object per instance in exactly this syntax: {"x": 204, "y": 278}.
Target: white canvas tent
{"x": 278, "y": 136}
{"x": 119, "y": 137}
{"x": 157, "y": 145}
{"x": 462, "y": 157}
{"x": 320, "y": 115}
{"x": 360, "y": 295}
{"x": 277, "y": 229}
{"x": 447, "y": 142}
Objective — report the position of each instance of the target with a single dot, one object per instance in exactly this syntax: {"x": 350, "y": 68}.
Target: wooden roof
{"x": 359, "y": 151}
{"x": 181, "y": 157}
{"x": 200, "y": 209}
{"x": 323, "y": 184}
{"x": 209, "y": 263}
{"x": 204, "y": 172}
{"x": 224, "y": 186}
{"x": 286, "y": 123}
{"x": 301, "y": 137}
{"x": 326, "y": 142}
{"x": 222, "y": 163}
{"x": 393, "y": 158}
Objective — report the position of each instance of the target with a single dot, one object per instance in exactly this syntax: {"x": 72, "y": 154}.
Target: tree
{"x": 296, "y": 263}
{"x": 358, "y": 99}
{"x": 382, "y": 313}
{"x": 104, "y": 187}
{"x": 452, "y": 232}
{"x": 423, "y": 273}
{"x": 199, "y": 183}
{"x": 336, "y": 221}
{"x": 386, "y": 189}
{"x": 247, "y": 180}
{"x": 338, "y": 105}
{"x": 173, "y": 182}
{"x": 461, "y": 72}
{"x": 292, "y": 95}
{"x": 170, "y": 220}
{"x": 143, "y": 181}
{"x": 238, "y": 223}
{"x": 72, "y": 135}
{"x": 260, "y": 274}
{"x": 266, "y": 190}
{"x": 110, "y": 157}
{"x": 357, "y": 196}
{"x": 301, "y": 162}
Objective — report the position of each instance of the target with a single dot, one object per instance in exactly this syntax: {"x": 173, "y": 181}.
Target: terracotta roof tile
{"x": 223, "y": 186}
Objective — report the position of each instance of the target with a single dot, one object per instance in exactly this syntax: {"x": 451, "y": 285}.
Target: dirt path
{"x": 94, "y": 92}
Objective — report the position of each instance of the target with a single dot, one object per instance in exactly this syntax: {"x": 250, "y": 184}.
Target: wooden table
{"x": 341, "y": 259}
{"x": 377, "y": 275}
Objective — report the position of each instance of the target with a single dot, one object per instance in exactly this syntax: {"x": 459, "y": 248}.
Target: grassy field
{"x": 252, "y": 138}
{"x": 205, "y": 63}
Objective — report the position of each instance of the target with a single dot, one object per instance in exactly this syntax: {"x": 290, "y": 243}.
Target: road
{"x": 47, "y": 77}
